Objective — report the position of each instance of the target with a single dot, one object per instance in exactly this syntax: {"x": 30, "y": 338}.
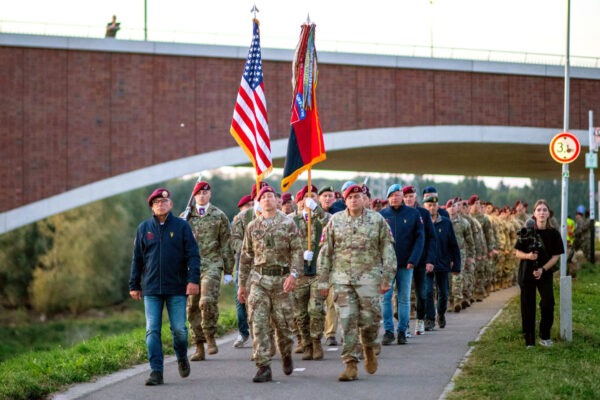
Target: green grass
{"x": 38, "y": 359}
{"x": 501, "y": 367}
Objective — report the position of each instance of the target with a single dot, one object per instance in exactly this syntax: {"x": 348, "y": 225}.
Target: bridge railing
{"x": 87, "y": 31}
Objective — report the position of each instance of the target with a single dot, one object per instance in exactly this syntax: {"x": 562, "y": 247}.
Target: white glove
{"x": 310, "y": 203}
{"x": 308, "y": 255}
{"x": 305, "y": 215}
{"x": 227, "y": 279}
{"x": 257, "y": 208}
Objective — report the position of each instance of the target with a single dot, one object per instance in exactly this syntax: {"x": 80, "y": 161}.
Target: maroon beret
{"x": 473, "y": 199}
{"x": 449, "y": 203}
{"x": 409, "y": 189}
{"x": 286, "y": 197}
{"x": 265, "y": 189}
{"x": 304, "y": 190}
{"x": 202, "y": 185}
{"x": 261, "y": 185}
{"x": 352, "y": 189}
{"x": 160, "y": 192}
{"x": 244, "y": 200}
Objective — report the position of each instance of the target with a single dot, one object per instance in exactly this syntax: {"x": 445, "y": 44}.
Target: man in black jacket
{"x": 164, "y": 270}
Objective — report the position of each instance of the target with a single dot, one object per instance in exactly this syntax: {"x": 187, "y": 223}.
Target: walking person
{"x": 539, "y": 248}
{"x": 357, "y": 260}
{"x": 406, "y": 225}
{"x": 271, "y": 257}
{"x": 210, "y": 226}
{"x": 164, "y": 270}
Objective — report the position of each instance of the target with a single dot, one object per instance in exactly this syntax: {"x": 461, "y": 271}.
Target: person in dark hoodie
{"x": 165, "y": 269}
{"x": 406, "y": 225}
{"x": 448, "y": 261}
{"x": 428, "y": 257}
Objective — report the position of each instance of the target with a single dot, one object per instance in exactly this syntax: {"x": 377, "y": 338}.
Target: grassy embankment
{"x": 501, "y": 367}
{"x": 37, "y": 359}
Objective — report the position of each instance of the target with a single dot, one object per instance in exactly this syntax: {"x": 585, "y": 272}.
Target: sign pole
{"x": 591, "y": 165}
{"x": 566, "y": 317}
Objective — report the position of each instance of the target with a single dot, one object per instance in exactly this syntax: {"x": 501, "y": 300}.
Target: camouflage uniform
{"x": 490, "y": 241}
{"x": 480, "y": 257}
{"x": 357, "y": 256}
{"x": 270, "y": 250}
{"x": 211, "y": 231}
{"x": 464, "y": 238}
{"x": 308, "y": 303}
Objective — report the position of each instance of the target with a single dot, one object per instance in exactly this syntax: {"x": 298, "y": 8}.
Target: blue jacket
{"x": 448, "y": 250}
{"x": 430, "y": 246}
{"x": 407, "y": 228}
{"x": 165, "y": 258}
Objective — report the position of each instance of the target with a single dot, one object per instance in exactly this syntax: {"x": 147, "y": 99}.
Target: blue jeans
{"x": 242, "y": 315}
{"x": 153, "y": 306}
{"x": 441, "y": 284}
{"x": 403, "y": 281}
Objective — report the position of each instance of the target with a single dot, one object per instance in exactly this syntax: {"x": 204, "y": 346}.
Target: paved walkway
{"x": 422, "y": 369}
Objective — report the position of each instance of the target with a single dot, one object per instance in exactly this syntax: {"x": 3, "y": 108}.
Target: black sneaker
{"x": 429, "y": 325}
{"x": 184, "y": 367}
{"x": 156, "y": 378}
{"x": 441, "y": 321}
{"x": 401, "y": 338}
{"x": 388, "y": 338}
{"x": 331, "y": 341}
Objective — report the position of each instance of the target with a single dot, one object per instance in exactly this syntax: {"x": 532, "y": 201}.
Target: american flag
{"x": 250, "y": 125}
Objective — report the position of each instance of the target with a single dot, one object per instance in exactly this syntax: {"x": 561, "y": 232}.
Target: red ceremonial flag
{"x": 305, "y": 146}
{"x": 250, "y": 125}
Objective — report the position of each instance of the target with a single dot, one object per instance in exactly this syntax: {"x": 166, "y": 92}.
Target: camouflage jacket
{"x": 488, "y": 230}
{"x": 319, "y": 220}
{"x": 238, "y": 227}
{"x": 464, "y": 237}
{"x": 271, "y": 242}
{"x": 212, "y": 234}
{"x": 356, "y": 250}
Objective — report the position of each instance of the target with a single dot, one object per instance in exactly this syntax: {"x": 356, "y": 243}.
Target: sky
{"x": 523, "y": 26}
{"x": 410, "y": 27}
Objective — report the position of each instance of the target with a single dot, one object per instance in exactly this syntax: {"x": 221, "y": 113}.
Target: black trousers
{"x": 528, "y": 286}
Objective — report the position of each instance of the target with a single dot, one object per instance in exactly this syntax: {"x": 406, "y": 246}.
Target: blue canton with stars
{"x": 253, "y": 69}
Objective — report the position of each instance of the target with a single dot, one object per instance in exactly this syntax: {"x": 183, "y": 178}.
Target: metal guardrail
{"x": 87, "y": 31}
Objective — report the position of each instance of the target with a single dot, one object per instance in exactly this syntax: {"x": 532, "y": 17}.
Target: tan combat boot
{"x": 307, "y": 353}
{"x": 350, "y": 373}
{"x": 317, "y": 349}
{"x": 299, "y": 348}
{"x": 199, "y": 354}
{"x": 211, "y": 345}
{"x": 370, "y": 360}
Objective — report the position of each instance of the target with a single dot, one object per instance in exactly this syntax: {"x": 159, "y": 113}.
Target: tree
{"x": 88, "y": 264}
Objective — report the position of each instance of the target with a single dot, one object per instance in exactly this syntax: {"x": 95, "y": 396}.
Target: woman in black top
{"x": 539, "y": 247}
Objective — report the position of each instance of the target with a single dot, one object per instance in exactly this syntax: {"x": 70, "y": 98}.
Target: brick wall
{"x": 74, "y": 117}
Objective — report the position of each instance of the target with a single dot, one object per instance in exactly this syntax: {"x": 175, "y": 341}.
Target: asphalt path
{"x": 422, "y": 369}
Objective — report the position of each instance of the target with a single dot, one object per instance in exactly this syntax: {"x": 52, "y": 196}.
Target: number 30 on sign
{"x": 565, "y": 148}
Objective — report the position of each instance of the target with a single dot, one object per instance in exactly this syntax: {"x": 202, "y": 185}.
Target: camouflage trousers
{"x": 268, "y": 303}
{"x": 480, "y": 278}
{"x": 456, "y": 288}
{"x": 492, "y": 262}
{"x": 468, "y": 274}
{"x": 359, "y": 309}
{"x": 203, "y": 309}
{"x": 309, "y": 311}
{"x": 331, "y": 317}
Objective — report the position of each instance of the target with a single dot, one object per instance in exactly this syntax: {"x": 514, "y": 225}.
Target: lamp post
{"x": 145, "y": 19}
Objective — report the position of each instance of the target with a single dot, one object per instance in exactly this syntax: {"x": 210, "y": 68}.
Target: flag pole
{"x": 308, "y": 223}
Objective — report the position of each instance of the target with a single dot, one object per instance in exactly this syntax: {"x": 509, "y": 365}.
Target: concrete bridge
{"x": 84, "y": 119}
